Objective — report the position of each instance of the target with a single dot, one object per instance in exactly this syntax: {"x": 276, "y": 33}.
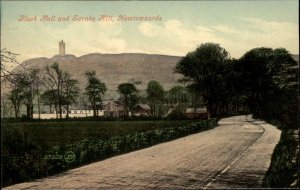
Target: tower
{"x": 62, "y": 48}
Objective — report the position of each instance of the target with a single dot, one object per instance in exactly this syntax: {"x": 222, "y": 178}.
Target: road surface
{"x": 236, "y": 154}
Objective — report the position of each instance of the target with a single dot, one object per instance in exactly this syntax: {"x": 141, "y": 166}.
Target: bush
{"x": 177, "y": 113}
{"x": 283, "y": 170}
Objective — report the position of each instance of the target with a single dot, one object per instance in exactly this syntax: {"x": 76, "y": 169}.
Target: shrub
{"x": 283, "y": 170}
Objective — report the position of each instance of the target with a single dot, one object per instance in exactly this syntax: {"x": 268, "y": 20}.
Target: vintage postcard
{"x": 149, "y": 94}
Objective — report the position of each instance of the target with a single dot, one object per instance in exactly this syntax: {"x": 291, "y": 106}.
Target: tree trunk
{"x": 31, "y": 111}
{"x": 60, "y": 111}
{"x": 16, "y": 111}
{"x": 56, "y": 112}
{"x": 39, "y": 107}
{"x": 67, "y": 116}
{"x": 94, "y": 111}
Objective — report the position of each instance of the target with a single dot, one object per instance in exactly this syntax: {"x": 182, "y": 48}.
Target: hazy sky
{"x": 237, "y": 26}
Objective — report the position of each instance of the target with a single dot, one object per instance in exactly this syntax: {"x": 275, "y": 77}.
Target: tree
{"x": 54, "y": 80}
{"x": 270, "y": 82}
{"x": 8, "y": 61}
{"x": 203, "y": 70}
{"x": 49, "y": 98}
{"x": 33, "y": 80}
{"x": 6, "y": 106}
{"x": 95, "y": 89}
{"x": 17, "y": 95}
{"x": 178, "y": 95}
{"x": 129, "y": 97}
{"x": 37, "y": 76}
{"x": 155, "y": 94}
{"x": 64, "y": 86}
{"x": 70, "y": 91}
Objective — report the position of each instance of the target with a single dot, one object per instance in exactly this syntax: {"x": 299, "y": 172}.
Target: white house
{"x": 74, "y": 111}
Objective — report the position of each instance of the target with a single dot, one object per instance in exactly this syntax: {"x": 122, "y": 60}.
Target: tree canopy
{"x": 203, "y": 69}
{"x": 128, "y": 95}
{"x": 95, "y": 89}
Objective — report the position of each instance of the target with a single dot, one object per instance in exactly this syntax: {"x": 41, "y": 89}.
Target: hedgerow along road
{"x": 236, "y": 154}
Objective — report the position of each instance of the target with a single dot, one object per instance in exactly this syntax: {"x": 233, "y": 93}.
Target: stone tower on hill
{"x": 62, "y": 48}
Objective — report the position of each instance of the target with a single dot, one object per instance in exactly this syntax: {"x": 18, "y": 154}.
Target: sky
{"x": 237, "y": 26}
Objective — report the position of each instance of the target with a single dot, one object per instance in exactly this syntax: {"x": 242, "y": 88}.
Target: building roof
{"x": 144, "y": 106}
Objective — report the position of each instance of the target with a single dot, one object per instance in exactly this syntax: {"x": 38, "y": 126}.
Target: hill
{"x": 114, "y": 69}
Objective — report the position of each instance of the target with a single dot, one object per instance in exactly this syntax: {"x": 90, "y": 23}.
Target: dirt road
{"x": 237, "y": 153}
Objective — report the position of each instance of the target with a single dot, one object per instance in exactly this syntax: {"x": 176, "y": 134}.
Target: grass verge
{"x": 25, "y": 156}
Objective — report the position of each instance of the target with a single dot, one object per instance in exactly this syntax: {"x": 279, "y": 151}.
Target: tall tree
{"x": 49, "y": 98}
{"x": 202, "y": 68}
{"x": 178, "y": 95}
{"x": 129, "y": 97}
{"x": 270, "y": 81}
{"x": 38, "y": 76}
{"x": 70, "y": 91}
{"x": 54, "y": 78}
{"x": 33, "y": 79}
{"x": 18, "y": 84}
{"x": 155, "y": 94}
{"x": 95, "y": 89}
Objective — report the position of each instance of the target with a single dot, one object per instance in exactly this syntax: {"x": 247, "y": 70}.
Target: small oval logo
{"x": 69, "y": 156}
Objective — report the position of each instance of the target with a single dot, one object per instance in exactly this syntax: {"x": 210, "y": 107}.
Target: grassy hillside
{"x": 114, "y": 69}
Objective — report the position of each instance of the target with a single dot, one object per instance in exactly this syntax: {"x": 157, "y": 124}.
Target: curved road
{"x": 236, "y": 154}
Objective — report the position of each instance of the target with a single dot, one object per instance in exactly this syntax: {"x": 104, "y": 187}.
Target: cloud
{"x": 178, "y": 38}
{"x": 149, "y": 29}
{"x": 225, "y": 29}
{"x": 171, "y": 37}
{"x": 81, "y": 38}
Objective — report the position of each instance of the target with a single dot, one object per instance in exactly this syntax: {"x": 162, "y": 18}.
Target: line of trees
{"x": 57, "y": 89}
{"x": 263, "y": 80}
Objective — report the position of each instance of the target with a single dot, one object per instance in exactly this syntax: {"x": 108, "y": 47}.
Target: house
{"x": 74, "y": 111}
{"x": 141, "y": 110}
{"x": 113, "y": 108}
{"x": 110, "y": 108}
{"x": 198, "y": 113}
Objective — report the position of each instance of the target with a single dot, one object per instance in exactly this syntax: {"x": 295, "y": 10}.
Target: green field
{"x": 33, "y": 150}
{"x": 67, "y": 132}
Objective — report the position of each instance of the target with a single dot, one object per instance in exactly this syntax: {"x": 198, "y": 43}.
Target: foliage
{"x": 64, "y": 86}
{"x": 283, "y": 171}
{"x": 70, "y": 91}
{"x": 177, "y": 95}
{"x": 6, "y": 107}
{"x": 129, "y": 96}
{"x": 18, "y": 92}
{"x": 33, "y": 81}
{"x": 270, "y": 83}
{"x": 49, "y": 98}
{"x": 94, "y": 91}
{"x": 155, "y": 95}
{"x": 203, "y": 69}
{"x": 177, "y": 113}
{"x": 8, "y": 61}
